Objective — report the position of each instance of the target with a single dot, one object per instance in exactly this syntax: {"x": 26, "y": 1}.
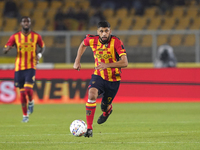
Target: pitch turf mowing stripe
{"x": 162, "y": 142}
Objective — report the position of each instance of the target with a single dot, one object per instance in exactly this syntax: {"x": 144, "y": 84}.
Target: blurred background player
{"x": 26, "y": 42}
{"x": 110, "y": 56}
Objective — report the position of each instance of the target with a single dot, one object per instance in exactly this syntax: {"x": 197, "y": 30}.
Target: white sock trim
{"x": 91, "y": 101}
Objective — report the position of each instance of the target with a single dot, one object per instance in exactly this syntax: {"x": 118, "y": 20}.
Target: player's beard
{"x": 105, "y": 41}
{"x": 26, "y": 29}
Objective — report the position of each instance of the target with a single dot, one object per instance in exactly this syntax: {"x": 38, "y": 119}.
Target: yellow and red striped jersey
{"x": 107, "y": 53}
{"x": 26, "y": 49}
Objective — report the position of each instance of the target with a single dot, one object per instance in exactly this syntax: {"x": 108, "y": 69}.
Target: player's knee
{"x": 104, "y": 107}
{"x": 93, "y": 94}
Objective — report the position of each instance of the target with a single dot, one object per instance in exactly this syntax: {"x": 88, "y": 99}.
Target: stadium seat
{"x": 108, "y": 13}
{"x": 1, "y": 23}
{"x": 126, "y": 23}
{"x": 50, "y": 25}
{"x": 42, "y": 5}
{"x": 175, "y": 40}
{"x": 169, "y": 23}
{"x": 72, "y": 24}
{"x": 28, "y": 5}
{"x": 10, "y": 24}
{"x": 122, "y": 12}
{"x": 51, "y": 14}
{"x": 132, "y": 12}
{"x": 2, "y": 4}
{"x": 183, "y": 23}
{"x": 139, "y": 23}
{"x": 114, "y": 22}
{"x": 49, "y": 41}
{"x": 146, "y": 41}
{"x": 189, "y": 40}
{"x": 39, "y": 24}
{"x": 25, "y": 12}
{"x": 122, "y": 38}
{"x": 84, "y": 4}
{"x": 55, "y": 5}
{"x": 133, "y": 40}
{"x": 196, "y": 23}
{"x": 178, "y": 11}
{"x": 69, "y": 4}
{"x": 150, "y": 12}
{"x": 162, "y": 39}
{"x": 192, "y": 11}
{"x": 4, "y": 40}
{"x": 155, "y": 23}
{"x": 76, "y": 40}
{"x": 37, "y": 14}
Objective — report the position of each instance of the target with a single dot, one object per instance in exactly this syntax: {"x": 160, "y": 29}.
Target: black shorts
{"x": 23, "y": 76}
{"x": 107, "y": 88}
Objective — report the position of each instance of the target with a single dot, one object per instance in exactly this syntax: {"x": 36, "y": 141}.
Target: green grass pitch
{"x": 135, "y": 126}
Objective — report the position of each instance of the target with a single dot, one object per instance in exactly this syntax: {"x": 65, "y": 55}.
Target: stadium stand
{"x": 42, "y": 13}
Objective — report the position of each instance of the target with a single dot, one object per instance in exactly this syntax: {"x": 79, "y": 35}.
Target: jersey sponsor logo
{"x": 26, "y": 48}
{"x": 103, "y": 56}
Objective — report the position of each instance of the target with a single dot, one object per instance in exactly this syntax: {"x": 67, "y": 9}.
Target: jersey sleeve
{"x": 40, "y": 41}
{"x": 119, "y": 47}
{"x": 11, "y": 41}
{"x": 86, "y": 40}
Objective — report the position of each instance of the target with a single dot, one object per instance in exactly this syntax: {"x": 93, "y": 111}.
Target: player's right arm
{"x": 6, "y": 49}
{"x": 81, "y": 50}
{"x": 9, "y": 44}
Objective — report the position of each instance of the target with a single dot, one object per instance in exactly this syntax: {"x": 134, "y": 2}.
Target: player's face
{"x": 104, "y": 34}
{"x": 26, "y": 23}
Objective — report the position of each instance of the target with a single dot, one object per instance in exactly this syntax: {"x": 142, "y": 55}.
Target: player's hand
{"x": 101, "y": 66}
{"x": 37, "y": 60}
{"x": 77, "y": 66}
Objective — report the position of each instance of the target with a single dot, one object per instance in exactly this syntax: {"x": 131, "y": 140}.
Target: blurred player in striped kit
{"x": 110, "y": 56}
{"x": 28, "y": 56}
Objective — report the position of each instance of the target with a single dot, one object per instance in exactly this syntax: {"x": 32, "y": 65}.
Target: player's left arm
{"x": 41, "y": 48}
{"x": 122, "y": 63}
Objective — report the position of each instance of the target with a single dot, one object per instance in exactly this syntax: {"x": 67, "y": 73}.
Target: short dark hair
{"x": 103, "y": 24}
{"x": 24, "y": 17}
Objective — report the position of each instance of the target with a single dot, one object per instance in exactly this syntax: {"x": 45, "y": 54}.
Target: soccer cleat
{"x": 30, "y": 107}
{"x": 25, "y": 119}
{"x": 103, "y": 118}
{"x": 88, "y": 133}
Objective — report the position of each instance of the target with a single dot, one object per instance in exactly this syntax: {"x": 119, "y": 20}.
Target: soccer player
{"x": 110, "y": 56}
{"x": 26, "y": 42}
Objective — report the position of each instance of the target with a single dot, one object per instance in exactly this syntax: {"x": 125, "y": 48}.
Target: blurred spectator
{"x": 10, "y": 9}
{"x": 60, "y": 25}
{"x": 59, "y": 15}
{"x": 166, "y": 5}
{"x": 138, "y": 5}
{"x": 96, "y": 18}
{"x": 95, "y": 3}
{"x": 166, "y": 57}
{"x": 82, "y": 15}
{"x": 108, "y": 4}
{"x": 70, "y": 14}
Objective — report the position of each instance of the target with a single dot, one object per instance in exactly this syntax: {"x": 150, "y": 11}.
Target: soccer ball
{"x": 78, "y": 127}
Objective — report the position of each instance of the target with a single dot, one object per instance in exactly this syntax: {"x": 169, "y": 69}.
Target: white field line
{"x": 37, "y": 125}
{"x": 162, "y": 142}
{"x": 121, "y": 133}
